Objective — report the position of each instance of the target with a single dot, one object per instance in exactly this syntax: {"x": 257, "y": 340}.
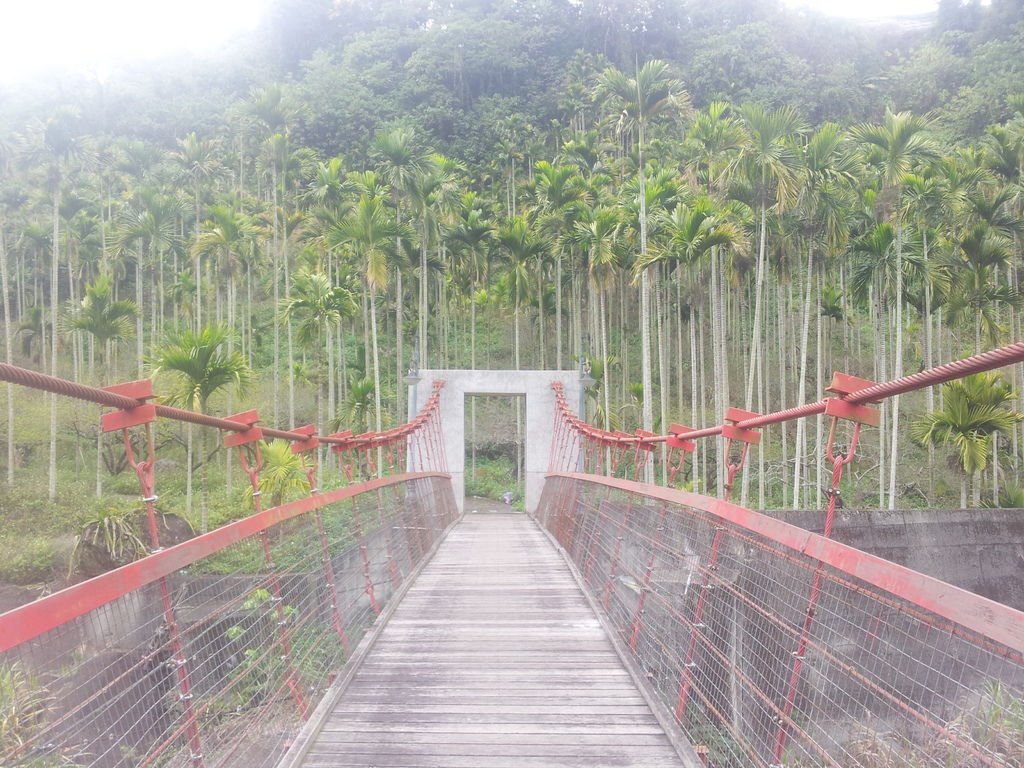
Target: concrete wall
{"x": 980, "y": 550}
{"x": 540, "y": 416}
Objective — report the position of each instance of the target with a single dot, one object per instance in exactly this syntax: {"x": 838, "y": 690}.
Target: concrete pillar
{"x": 535, "y": 386}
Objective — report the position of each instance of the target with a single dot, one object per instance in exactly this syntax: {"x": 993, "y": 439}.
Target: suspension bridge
{"x": 619, "y": 623}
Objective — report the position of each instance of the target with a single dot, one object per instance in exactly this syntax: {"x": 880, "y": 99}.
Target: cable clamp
{"x": 257, "y": 493}
{"x": 185, "y": 697}
{"x": 151, "y": 499}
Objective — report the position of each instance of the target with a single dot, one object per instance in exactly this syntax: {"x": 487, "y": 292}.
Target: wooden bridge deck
{"x": 494, "y": 659}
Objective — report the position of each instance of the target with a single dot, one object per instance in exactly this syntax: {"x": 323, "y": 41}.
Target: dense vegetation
{"x": 714, "y": 204}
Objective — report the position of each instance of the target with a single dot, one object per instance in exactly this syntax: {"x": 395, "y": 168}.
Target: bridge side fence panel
{"x": 773, "y": 646}
{"x": 214, "y": 651}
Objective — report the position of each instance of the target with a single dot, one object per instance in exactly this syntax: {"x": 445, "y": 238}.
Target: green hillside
{"x": 733, "y": 198}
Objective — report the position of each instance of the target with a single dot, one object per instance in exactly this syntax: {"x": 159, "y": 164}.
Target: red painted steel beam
{"x": 993, "y": 620}
{"x": 34, "y": 619}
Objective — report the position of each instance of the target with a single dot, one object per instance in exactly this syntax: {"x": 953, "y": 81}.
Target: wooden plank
{"x": 493, "y": 659}
{"x": 412, "y": 760}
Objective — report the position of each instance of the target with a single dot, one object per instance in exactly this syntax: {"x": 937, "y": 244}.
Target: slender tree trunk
{"x": 376, "y": 371}
{"x": 898, "y": 367}
{"x": 762, "y": 401}
{"x": 197, "y": 266}
{"x": 54, "y": 302}
{"x": 154, "y": 305}
{"x": 99, "y": 432}
{"x": 695, "y": 353}
{"x": 702, "y": 446}
{"x": 515, "y": 327}
{"x": 995, "y": 469}
{"x": 800, "y": 448}
{"x": 139, "y": 341}
{"x": 76, "y": 357}
{"x": 680, "y": 357}
{"x": 332, "y": 403}
{"x": 422, "y": 330}
{"x": 929, "y": 393}
{"x": 232, "y": 315}
{"x": 718, "y": 367}
{"x": 780, "y": 315}
{"x": 819, "y": 420}
{"x": 399, "y": 349}
{"x": 540, "y": 313}
{"x": 755, "y": 336}
{"x": 204, "y": 480}
{"x": 276, "y": 230}
{"x": 604, "y": 362}
{"x": 8, "y": 353}
{"x": 288, "y": 326}
{"x": 558, "y": 310}
{"x": 662, "y": 371}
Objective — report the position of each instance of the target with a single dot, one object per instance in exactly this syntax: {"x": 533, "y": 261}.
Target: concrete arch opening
{"x": 533, "y": 386}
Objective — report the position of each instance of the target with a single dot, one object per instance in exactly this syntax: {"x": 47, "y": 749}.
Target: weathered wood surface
{"x": 494, "y": 659}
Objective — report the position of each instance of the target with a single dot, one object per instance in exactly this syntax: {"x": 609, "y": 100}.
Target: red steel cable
{"x": 986, "y": 361}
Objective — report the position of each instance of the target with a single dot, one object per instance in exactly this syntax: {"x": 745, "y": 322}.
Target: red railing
{"x": 805, "y": 601}
{"x": 212, "y": 652}
{"x": 773, "y": 646}
{"x": 579, "y": 446}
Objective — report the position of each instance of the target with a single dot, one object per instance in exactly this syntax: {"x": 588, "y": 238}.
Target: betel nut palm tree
{"x": 107, "y": 322}
{"x": 317, "y": 306}
{"x": 369, "y": 230}
{"x": 894, "y": 147}
{"x": 199, "y": 366}
{"x": 974, "y": 409}
{"x": 652, "y": 93}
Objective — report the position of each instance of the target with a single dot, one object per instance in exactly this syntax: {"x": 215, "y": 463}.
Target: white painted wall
{"x": 540, "y": 416}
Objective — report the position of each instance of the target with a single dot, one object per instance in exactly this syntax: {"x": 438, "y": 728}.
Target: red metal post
{"x": 644, "y": 450}
{"x": 552, "y": 449}
{"x": 365, "y": 554}
{"x": 746, "y": 438}
{"x": 645, "y": 587}
{"x": 309, "y": 445}
{"x": 614, "y": 565}
{"x": 145, "y": 415}
{"x": 684, "y": 448}
{"x": 859, "y": 415}
{"x": 251, "y": 458}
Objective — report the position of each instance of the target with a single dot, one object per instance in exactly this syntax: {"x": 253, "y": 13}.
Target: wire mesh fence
{"x": 772, "y": 646}
{"x": 212, "y": 652}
